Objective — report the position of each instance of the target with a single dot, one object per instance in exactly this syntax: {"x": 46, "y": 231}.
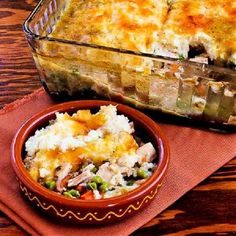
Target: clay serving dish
{"x": 90, "y": 211}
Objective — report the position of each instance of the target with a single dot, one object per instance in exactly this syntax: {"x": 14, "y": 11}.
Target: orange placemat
{"x": 195, "y": 154}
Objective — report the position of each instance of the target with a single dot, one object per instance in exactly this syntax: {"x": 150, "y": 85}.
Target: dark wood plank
{"x": 18, "y": 75}
{"x": 207, "y": 209}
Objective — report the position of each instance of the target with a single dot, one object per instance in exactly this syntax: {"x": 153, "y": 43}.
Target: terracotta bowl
{"x": 90, "y": 211}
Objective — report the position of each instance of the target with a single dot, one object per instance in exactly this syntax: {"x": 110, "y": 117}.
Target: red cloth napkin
{"x": 195, "y": 154}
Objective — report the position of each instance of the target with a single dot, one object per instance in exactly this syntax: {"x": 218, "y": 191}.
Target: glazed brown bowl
{"x": 90, "y": 211}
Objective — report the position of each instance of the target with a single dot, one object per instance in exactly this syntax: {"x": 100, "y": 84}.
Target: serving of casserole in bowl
{"x": 90, "y": 162}
{"x": 177, "y": 56}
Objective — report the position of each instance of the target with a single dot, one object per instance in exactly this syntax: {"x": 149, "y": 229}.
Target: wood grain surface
{"x": 208, "y": 209}
{"x": 18, "y": 75}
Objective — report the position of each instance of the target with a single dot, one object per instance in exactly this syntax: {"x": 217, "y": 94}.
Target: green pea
{"x": 67, "y": 194}
{"x": 104, "y": 187}
{"x": 130, "y": 183}
{"x": 97, "y": 179}
{"x": 92, "y": 185}
{"x": 71, "y": 193}
{"x": 50, "y": 184}
{"x": 142, "y": 174}
{"x": 181, "y": 57}
{"x": 94, "y": 170}
{"x": 74, "y": 193}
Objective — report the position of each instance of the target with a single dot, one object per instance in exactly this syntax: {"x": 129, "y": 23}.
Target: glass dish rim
{"x": 29, "y": 33}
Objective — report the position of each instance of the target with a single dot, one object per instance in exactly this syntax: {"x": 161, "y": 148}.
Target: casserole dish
{"x": 178, "y": 86}
{"x": 89, "y": 211}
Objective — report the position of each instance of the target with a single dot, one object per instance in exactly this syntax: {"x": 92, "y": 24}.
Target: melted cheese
{"x": 82, "y": 137}
{"x": 210, "y": 23}
{"x": 108, "y": 148}
{"x": 120, "y": 24}
{"x": 162, "y": 27}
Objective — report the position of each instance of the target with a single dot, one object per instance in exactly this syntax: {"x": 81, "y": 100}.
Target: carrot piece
{"x": 174, "y": 68}
{"x": 87, "y": 196}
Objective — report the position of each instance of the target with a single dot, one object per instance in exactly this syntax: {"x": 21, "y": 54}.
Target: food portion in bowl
{"x": 89, "y": 155}
{"x": 72, "y": 129}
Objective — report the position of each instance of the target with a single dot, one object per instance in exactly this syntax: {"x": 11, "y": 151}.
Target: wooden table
{"x": 208, "y": 208}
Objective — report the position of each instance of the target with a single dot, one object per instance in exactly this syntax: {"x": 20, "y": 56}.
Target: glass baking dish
{"x": 183, "y": 88}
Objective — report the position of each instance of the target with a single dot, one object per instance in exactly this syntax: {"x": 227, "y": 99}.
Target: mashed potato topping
{"x": 164, "y": 27}
{"x": 87, "y": 155}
